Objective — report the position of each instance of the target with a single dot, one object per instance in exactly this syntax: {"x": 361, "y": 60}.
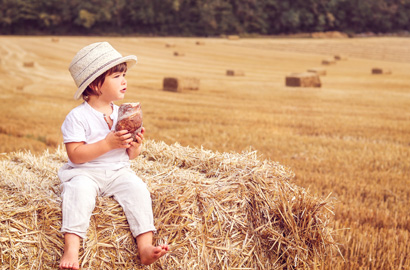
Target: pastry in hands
{"x": 130, "y": 118}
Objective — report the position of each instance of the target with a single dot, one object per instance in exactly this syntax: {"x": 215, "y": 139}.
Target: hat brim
{"x": 131, "y": 60}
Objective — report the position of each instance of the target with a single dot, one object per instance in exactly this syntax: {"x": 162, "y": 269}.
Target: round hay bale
{"x": 215, "y": 210}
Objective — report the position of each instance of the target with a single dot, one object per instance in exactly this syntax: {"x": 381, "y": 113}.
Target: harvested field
{"x": 350, "y": 138}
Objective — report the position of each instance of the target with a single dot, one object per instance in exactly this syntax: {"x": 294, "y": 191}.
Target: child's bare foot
{"x": 71, "y": 249}
{"x": 70, "y": 260}
{"x": 150, "y": 254}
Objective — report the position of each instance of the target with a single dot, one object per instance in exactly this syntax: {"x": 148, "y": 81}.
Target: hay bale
{"x": 28, "y": 64}
{"x": 179, "y": 53}
{"x": 306, "y": 79}
{"x": 231, "y": 72}
{"x": 233, "y": 37}
{"x": 339, "y": 57}
{"x": 329, "y": 34}
{"x": 380, "y": 71}
{"x": 329, "y": 61}
{"x": 179, "y": 84}
{"x": 318, "y": 71}
{"x": 215, "y": 210}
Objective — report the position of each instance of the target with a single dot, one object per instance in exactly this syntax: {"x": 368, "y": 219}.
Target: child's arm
{"x": 80, "y": 152}
{"x": 136, "y": 147}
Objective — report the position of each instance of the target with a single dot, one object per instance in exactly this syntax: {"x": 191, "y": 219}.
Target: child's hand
{"x": 135, "y": 148}
{"x": 139, "y": 138}
{"x": 119, "y": 139}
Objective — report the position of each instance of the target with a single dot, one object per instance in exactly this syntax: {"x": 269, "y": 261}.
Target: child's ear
{"x": 94, "y": 87}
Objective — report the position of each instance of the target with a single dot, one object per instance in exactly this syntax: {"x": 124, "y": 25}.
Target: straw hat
{"x": 92, "y": 61}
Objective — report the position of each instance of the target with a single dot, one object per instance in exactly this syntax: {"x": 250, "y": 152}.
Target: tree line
{"x": 201, "y": 17}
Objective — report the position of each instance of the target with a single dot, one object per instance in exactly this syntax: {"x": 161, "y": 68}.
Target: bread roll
{"x": 130, "y": 118}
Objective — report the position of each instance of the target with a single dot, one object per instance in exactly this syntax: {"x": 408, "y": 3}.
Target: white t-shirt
{"x": 85, "y": 124}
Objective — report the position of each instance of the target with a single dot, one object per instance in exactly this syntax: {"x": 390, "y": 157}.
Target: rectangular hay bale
{"x": 318, "y": 71}
{"x": 340, "y": 57}
{"x": 380, "y": 71}
{"x": 208, "y": 215}
{"x": 179, "y": 84}
{"x": 28, "y": 64}
{"x": 307, "y": 79}
{"x": 233, "y": 37}
{"x": 231, "y": 72}
{"x": 328, "y": 62}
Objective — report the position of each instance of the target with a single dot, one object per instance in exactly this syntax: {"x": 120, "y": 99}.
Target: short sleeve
{"x": 73, "y": 128}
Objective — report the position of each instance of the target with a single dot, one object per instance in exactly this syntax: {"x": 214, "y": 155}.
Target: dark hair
{"x": 100, "y": 80}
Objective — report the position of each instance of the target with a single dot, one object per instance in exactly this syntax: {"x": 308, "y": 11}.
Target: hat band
{"x": 102, "y": 67}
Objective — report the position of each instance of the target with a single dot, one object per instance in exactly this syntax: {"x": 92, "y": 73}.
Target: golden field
{"x": 350, "y": 138}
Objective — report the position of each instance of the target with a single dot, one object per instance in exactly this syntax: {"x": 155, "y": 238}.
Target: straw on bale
{"x": 381, "y": 71}
{"x": 55, "y": 39}
{"x": 169, "y": 45}
{"x": 28, "y": 64}
{"x": 179, "y": 54}
{"x": 305, "y": 79}
{"x": 318, "y": 71}
{"x": 328, "y": 62}
{"x": 179, "y": 84}
{"x": 231, "y": 72}
{"x": 215, "y": 210}
{"x": 200, "y": 43}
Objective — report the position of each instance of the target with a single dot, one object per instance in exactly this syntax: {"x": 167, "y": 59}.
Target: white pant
{"x": 81, "y": 186}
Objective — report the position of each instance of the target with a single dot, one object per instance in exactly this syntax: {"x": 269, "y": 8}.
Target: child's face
{"x": 114, "y": 86}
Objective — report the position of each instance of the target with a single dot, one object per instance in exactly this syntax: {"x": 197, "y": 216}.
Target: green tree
{"x": 251, "y": 16}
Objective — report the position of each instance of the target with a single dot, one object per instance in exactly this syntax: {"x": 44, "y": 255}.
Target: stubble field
{"x": 350, "y": 138}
